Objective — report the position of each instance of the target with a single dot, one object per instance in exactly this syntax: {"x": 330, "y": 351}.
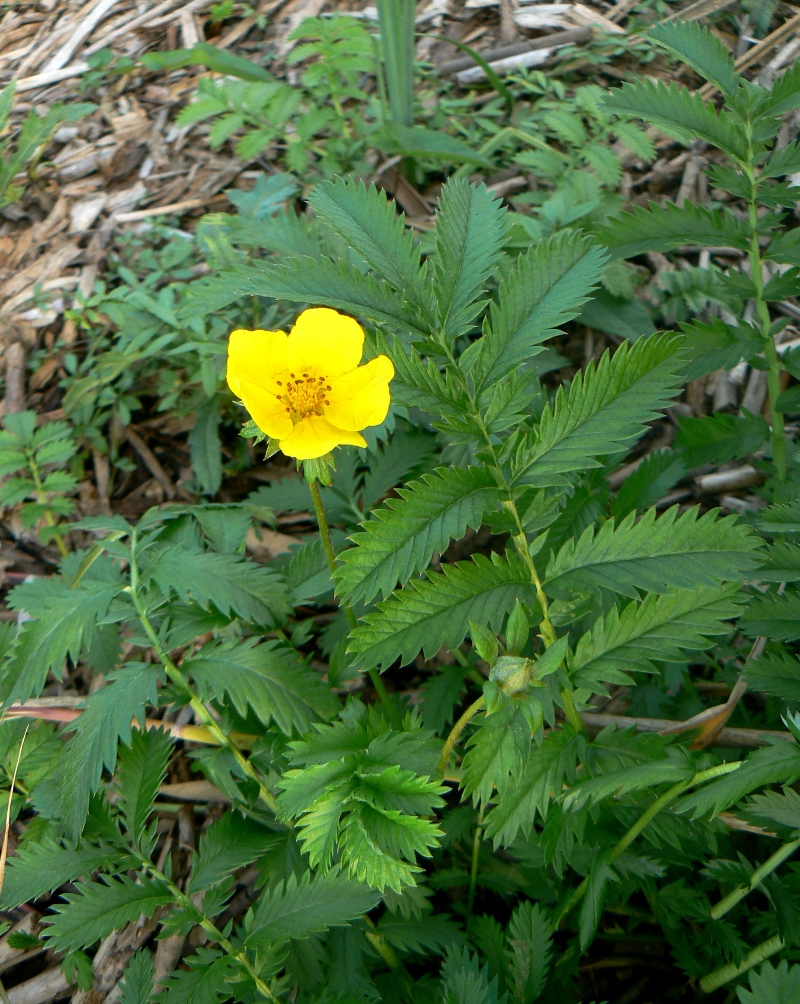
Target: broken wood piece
{"x": 575, "y": 35}
{"x": 543, "y": 16}
{"x": 15, "y": 379}
{"x": 102, "y": 477}
{"x": 168, "y": 954}
{"x": 702, "y": 8}
{"x": 13, "y": 956}
{"x": 47, "y": 986}
{"x": 193, "y": 791}
{"x": 527, "y": 59}
{"x": 51, "y": 77}
{"x": 501, "y": 188}
{"x": 151, "y": 462}
{"x": 726, "y": 481}
{"x": 175, "y": 207}
{"x": 731, "y": 738}
{"x": 85, "y": 27}
{"x": 711, "y": 720}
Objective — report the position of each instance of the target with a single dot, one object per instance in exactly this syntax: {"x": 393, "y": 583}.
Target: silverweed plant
{"x": 471, "y": 834}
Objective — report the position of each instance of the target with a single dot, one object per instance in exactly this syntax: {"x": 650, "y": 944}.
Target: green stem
{"x": 758, "y": 876}
{"x": 519, "y": 537}
{"x": 381, "y": 945}
{"x": 571, "y": 712}
{"x": 210, "y": 928}
{"x": 41, "y": 497}
{"x": 647, "y": 816}
{"x": 727, "y": 973}
{"x": 778, "y": 434}
{"x": 473, "y": 872}
{"x": 456, "y": 731}
{"x": 327, "y": 546}
{"x": 177, "y": 677}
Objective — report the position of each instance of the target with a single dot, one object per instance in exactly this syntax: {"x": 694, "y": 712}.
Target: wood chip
{"x": 47, "y": 986}
{"x": 86, "y": 25}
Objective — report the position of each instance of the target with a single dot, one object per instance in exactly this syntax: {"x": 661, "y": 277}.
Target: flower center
{"x": 303, "y": 395}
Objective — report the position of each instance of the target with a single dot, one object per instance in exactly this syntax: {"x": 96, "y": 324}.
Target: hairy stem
{"x": 456, "y": 731}
{"x": 177, "y": 677}
{"x": 473, "y": 872}
{"x": 210, "y": 928}
{"x": 330, "y": 554}
{"x": 758, "y": 876}
{"x": 727, "y": 973}
{"x": 41, "y": 497}
{"x": 647, "y": 816}
{"x": 778, "y": 434}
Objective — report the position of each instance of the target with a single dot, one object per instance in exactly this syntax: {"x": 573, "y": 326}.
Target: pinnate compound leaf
{"x": 782, "y": 807}
{"x": 772, "y": 616}
{"x": 465, "y": 982}
{"x": 331, "y": 284}
{"x": 140, "y": 772}
{"x": 436, "y": 611}
{"x": 546, "y": 288}
{"x": 402, "y": 535}
{"x": 530, "y": 945}
{"x": 772, "y": 985}
{"x": 234, "y": 586}
{"x": 659, "y": 628}
{"x": 470, "y": 229}
{"x": 96, "y": 909}
{"x": 228, "y": 844}
{"x": 41, "y": 866}
{"x": 420, "y": 383}
{"x": 720, "y": 437}
{"x": 93, "y": 747}
{"x": 778, "y": 763}
{"x": 298, "y": 909}
{"x": 657, "y": 555}
{"x": 136, "y": 985}
{"x": 370, "y": 224}
{"x": 780, "y": 518}
{"x": 780, "y": 562}
{"x": 497, "y": 749}
{"x": 207, "y": 981}
{"x": 529, "y": 792}
{"x": 676, "y": 766}
{"x": 702, "y": 50}
{"x": 605, "y": 409}
{"x": 270, "y": 679}
{"x": 776, "y": 673}
{"x": 63, "y": 625}
{"x": 600, "y": 874}
{"x": 715, "y": 345}
{"x": 785, "y": 160}
{"x": 680, "y": 111}
{"x": 662, "y": 228}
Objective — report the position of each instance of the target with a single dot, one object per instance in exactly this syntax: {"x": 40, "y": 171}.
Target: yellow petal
{"x": 265, "y": 409}
{"x": 324, "y": 342}
{"x": 315, "y": 436}
{"x": 361, "y": 398}
{"x": 255, "y": 356}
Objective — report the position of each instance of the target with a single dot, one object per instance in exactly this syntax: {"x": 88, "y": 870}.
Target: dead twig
{"x": 151, "y": 462}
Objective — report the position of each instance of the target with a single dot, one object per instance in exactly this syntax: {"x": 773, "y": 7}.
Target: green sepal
{"x": 484, "y": 642}
{"x": 319, "y": 469}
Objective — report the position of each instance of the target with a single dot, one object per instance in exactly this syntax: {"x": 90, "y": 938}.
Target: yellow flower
{"x": 306, "y": 389}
